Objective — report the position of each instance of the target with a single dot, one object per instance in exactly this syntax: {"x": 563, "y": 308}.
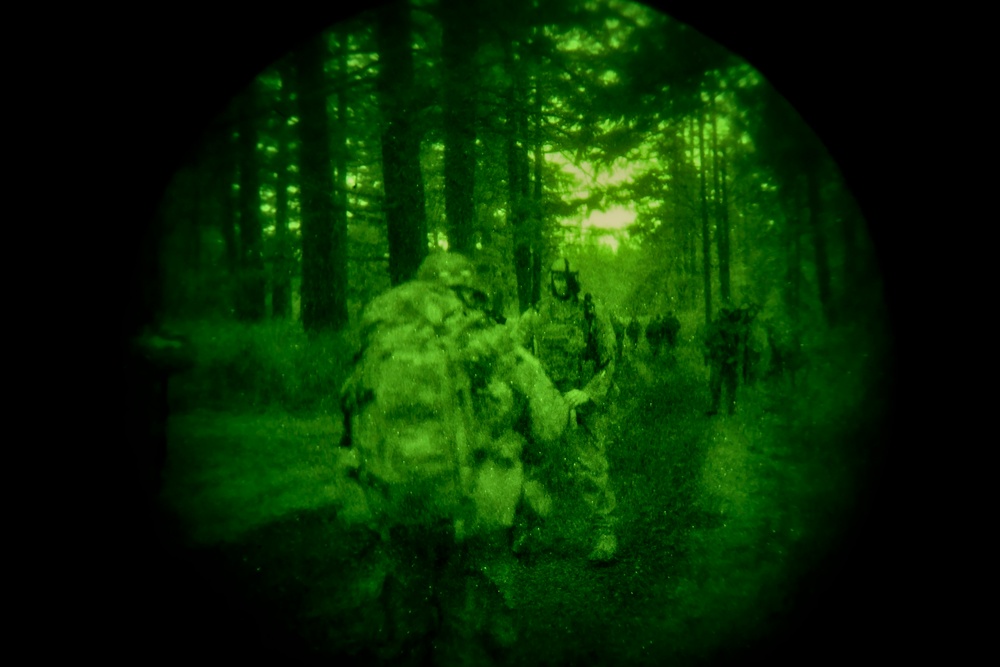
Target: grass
{"x": 260, "y": 367}
{"x": 719, "y": 519}
{"x": 230, "y": 473}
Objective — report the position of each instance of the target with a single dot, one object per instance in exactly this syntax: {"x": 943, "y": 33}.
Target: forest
{"x": 677, "y": 180}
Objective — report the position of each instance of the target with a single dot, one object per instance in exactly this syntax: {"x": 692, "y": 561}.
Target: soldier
{"x": 662, "y": 332}
{"x": 425, "y": 343}
{"x": 728, "y": 351}
{"x": 575, "y": 343}
{"x": 722, "y": 353}
{"x": 439, "y": 411}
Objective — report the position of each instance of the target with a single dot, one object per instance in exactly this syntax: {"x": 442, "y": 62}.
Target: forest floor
{"x": 719, "y": 518}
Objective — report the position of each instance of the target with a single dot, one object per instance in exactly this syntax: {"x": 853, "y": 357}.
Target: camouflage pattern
{"x": 557, "y": 331}
{"x": 440, "y": 406}
{"x": 441, "y": 409}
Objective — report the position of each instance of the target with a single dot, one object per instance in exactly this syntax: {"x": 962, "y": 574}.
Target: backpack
{"x": 410, "y": 405}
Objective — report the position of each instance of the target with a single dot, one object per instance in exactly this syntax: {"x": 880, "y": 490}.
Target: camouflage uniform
{"x": 502, "y": 404}
{"x": 578, "y": 352}
{"x": 505, "y": 396}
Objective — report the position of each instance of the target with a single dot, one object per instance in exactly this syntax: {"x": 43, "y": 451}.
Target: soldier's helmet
{"x": 457, "y": 272}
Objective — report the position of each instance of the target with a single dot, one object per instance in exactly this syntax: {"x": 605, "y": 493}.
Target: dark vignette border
{"x": 169, "y": 76}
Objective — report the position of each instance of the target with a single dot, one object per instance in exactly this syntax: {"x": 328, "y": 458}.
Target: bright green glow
{"x": 609, "y": 241}
{"x": 618, "y": 217}
{"x": 720, "y": 513}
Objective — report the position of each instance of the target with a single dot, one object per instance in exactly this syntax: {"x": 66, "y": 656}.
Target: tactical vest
{"x": 431, "y": 424}
{"x": 561, "y": 344}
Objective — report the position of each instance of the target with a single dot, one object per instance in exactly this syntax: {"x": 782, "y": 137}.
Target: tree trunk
{"x": 691, "y": 222}
{"x": 227, "y": 222}
{"x": 706, "y": 239}
{"x": 281, "y": 282}
{"x": 673, "y": 213}
{"x": 517, "y": 184}
{"x": 854, "y": 277}
{"x": 459, "y": 45}
{"x": 193, "y": 247}
{"x": 536, "y": 201}
{"x": 404, "y": 188}
{"x": 523, "y": 264}
{"x": 323, "y": 289}
{"x": 819, "y": 241}
{"x": 725, "y": 222}
{"x": 848, "y": 232}
{"x": 251, "y": 303}
{"x": 721, "y": 211}
{"x": 339, "y": 256}
{"x": 793, "y": 281}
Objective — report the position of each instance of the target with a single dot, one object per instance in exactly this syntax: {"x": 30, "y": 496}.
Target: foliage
{"x": 579, "y": 108}
{"x": 259, "y": 367}
{"x": 721, "y": 517}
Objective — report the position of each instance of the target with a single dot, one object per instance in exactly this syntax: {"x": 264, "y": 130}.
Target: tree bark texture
{"x": 251, "y": 302}
{"x": 536, "y": 200}
{"x": 459, "y": 45}
{"x": 819, "y": 241}
{"x": 706, "y": 238}
{"x": 518, "y": 183}
{"x": 404, "y": 188}
{"x": 281, "y": 279}
{"x": 339, "y": 258}
{"x": 227, "y": 219}
{"x": 793, "y": 282}
{"x": 721, "y": 213}
{"x": 324, "y": 285}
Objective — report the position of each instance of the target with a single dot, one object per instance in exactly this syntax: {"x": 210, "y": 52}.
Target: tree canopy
{"x": 513, "y": 133}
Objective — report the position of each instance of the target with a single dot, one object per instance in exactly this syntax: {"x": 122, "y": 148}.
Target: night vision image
{"x": 509, "y": 333}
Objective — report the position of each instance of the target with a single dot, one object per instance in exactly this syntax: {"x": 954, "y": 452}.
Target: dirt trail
{"x": 713, "y": 513}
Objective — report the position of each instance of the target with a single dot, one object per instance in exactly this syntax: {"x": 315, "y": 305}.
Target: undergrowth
{"x": 260, "y": 367}
{"x": 720, "y": 516}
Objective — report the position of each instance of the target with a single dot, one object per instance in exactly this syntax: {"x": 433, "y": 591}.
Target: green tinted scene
{"x": 513, "y": 334}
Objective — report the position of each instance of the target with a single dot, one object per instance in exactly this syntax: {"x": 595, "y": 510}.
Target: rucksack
{"x": 425, "y": 454}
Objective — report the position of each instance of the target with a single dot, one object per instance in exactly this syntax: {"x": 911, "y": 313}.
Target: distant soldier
{"x": 722, "y": 354}
{"x": 575, "y": 342}
{"x": 749, "y": 355}
{"x": 662, "y": 332}
{"x": 727, "y": 351}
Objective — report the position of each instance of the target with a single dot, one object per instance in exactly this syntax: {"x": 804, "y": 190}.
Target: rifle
{"x": 591, "y": 352}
